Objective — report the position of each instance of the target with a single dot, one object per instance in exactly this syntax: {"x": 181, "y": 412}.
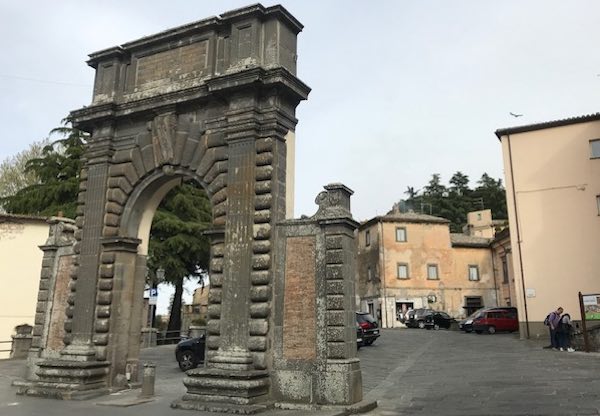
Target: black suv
{"x": 190, "y": 352}
{"x": 370, "y": 329}
{"x": 416, "y": 317}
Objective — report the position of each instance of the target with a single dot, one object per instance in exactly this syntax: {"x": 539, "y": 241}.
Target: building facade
{"x": 20, "y": 263}
{"x": 552, "y": 174}
{"x": 410, "y": 260}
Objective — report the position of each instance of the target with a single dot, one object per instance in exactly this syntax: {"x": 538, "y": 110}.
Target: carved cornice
{"x": 128, "y": 244}
{"x": 289, "y": 86}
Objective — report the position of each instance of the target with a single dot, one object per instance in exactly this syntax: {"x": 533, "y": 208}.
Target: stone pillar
{"x": 21, "y": 341}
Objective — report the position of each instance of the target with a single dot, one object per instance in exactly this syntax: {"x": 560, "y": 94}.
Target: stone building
{"x": 196, "y": 313}
{"x": 20, "y": 263}
{"x": 552, "y": 181}
{"x": 504, "y": 268}
{"x": 410, "y": 260}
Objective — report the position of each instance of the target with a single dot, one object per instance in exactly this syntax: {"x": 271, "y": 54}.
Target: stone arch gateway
{"x": 213, "y": 101}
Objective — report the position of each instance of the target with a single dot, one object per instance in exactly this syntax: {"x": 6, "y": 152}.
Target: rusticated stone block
{"x": 262, "y": 187}
{"x": 123, "y": 169}
{"x": 334, "y": 242}
{"x": 260, "y": 310}
{"x": 107, "y": 270}
{"x": 334, "y": 271}
{"x": 264, "y": 145}
{"x": 114, "y": 208}
{"x": 120, "y": 183}
{"x": 261, "y": 261}
{"x": 219, "y": 210}
{"x": 336, "y": 333}
{"x": 260, "y": 293}
{"x": 105, "y": 284}
{"x": 39, "y": 318}
{"x": 264, "y": 159}
{"x": 214, "y": 311}
{"x": 262, "y": 216}
{"x": 256, "y": 343}
{"x": 260, "y": 360}
{"x": 335, "y": 287}
{"x": 214, "y": 295}
{"x": 336, "y": 350}
{"x": 216, "y": 265}
{"x": 336, "y": 318}
{"x": 218, "y": 250}
{"x": 102, "y": 325}
{"x": 107, "y": 258}
{"x": 101, "y": 353}
{"x": 103, "y": 311}
{"x": 213, "y": 326}
{"x": 335, "y": 302}
{"x": 263, "y": 201}
{"x": 334, "y": 257}
{"x": 213, "y": 342}
{"x": 111, "y": 220}
{"x": 100, "y": 339}
{"x": 109, "y": 231}
{"x": 261, "y": 246}
{"x": 104, "y": 297}
{"x": 42, "y": 296}
{"x": 117, "y": 195}
{"x": 216, "y": 280}
{"x": 261, "y": 231}
{"x": 260, "y": 277}
{"x": 263, "y": 173}
{"x": 259, "y": 327}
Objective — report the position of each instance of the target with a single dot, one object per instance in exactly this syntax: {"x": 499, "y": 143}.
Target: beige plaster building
{"x": 553, "y": 193}
{"x": 20, "y": 265}
{"x": 410, "y": 260}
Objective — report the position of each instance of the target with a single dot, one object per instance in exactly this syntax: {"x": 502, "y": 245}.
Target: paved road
{"x": 410, "y": 372}
{"x": 419, "y": 372}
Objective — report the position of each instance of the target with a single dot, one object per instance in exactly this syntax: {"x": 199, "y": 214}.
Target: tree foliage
{"x": 453, "y": 202}
{"x": 56, "y": 172}
{"x": 177, "y": 244}
{"x": 13, "y": 173}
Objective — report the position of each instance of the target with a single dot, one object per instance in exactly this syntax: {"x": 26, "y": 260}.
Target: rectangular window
{"x": 594, "y": 149}
{"x": 402, "y": 271}
{"x": 504, "y": 270}
{"x": 367, "y": 238}
{"x": 432, "y": 272}
{"x": 369, "y": 274}
{"x": 401, "y": 234}
{"x": 473, "y": 273}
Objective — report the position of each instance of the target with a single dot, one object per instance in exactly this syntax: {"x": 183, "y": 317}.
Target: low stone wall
{"x": 577, "y": 341}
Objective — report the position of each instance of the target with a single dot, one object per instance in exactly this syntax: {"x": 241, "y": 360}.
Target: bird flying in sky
{"x": 516, "y": 115}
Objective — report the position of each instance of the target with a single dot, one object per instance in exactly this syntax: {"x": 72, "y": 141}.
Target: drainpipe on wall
{"x": 512, "y": 179}
{"x": 381, "y": 248}
{"x": 494, "y": 274}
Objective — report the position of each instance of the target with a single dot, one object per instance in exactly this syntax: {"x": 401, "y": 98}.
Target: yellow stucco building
{"x": 410, "y": 260}
{"x": 20, "y": 265}
{"x": 552, "y": 181}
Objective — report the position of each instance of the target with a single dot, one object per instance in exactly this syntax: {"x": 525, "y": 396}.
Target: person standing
{"x": 553, "y": 321}
{"x": 564, "y": 333}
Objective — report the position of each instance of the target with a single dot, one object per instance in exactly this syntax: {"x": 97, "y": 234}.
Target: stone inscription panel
{"x": 173, "y": 65}
{"x": 299, "y": 314}
{"x": 56, "y": 331}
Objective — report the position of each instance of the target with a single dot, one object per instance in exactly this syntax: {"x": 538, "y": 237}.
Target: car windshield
{"x": 478, "y": 313}
{"x": 364, "y": 317}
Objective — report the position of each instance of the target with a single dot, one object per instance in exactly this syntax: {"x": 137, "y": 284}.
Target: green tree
{"x": 434, "y": 188}
{"x": 56, "y": 173}
{"x": 459, "y": 183}
{"x": 13, "y": 174}
{"x": 177, "y": 244}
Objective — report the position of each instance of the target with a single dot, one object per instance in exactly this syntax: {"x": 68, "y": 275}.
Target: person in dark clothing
{"x": 553, "y": 320}
{"x": 564, "y": 333}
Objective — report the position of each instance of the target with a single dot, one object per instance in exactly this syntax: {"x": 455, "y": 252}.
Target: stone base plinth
{"x": 67, "y": 380}
{"x": 226, "y": 391}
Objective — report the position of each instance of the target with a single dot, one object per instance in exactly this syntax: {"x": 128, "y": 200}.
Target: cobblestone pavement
{"x": 409, "y": 372}
{"x": 419, "y": 372}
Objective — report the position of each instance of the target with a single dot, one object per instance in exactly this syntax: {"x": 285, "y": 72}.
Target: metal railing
{"x": 6, "y": 342}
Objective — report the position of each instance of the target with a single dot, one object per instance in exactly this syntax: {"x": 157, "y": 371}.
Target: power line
{"x": 44, "y": 81}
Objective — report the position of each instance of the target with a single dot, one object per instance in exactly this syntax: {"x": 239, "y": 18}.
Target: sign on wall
{"x": 591, "y": 306}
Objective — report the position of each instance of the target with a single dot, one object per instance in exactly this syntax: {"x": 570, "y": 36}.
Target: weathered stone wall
{"x": 315, "y": 323}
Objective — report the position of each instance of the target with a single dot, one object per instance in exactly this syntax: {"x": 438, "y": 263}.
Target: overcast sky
{"x": 400, "y": 89}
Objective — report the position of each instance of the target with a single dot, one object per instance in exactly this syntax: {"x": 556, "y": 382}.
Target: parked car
{"x": 437, "y": 320}
{"x": 467, "y": 323}
{"x": 494, "y": 320}
{"x": 369, "y": 327}
{"x": 416, "y": 317}
{"x": 190, "y": 352}
{"x": 359, "y": 336}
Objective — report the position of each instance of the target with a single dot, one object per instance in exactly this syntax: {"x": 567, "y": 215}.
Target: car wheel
{"x": 187, "y": 361}
{"x": 436, "y": 327}
{"x": 369, "y": 341}
{"x": 491, "y": 330}
{"x": 421, "y": 324}
{"x": 468, "y": 331}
